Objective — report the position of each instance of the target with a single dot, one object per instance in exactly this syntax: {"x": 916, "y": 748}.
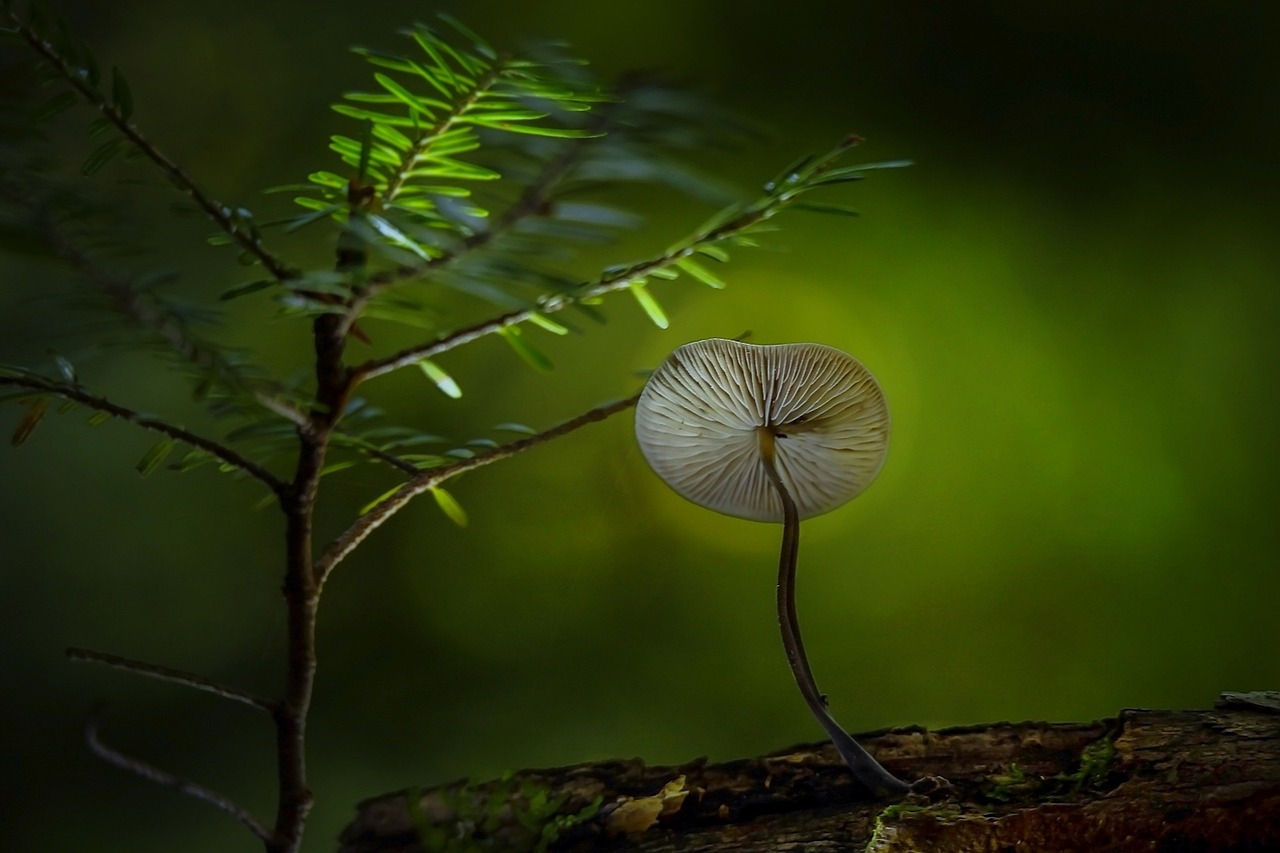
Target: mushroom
{"x": 774, "y": 433}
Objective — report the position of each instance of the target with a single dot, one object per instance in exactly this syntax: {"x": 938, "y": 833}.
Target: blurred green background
{"x": 1071, "y": 302}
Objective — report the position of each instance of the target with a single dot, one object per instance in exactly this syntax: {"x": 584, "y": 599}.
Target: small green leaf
{"x": 820, "y": 207}
{"x": 101, "y": 156}
{"x": 650, "y": 305}
{"x": 450, "y": 507}
{"x": 321, "y": 211}
{"x": 551, "y": 326}
{"x": 65, "y": 368}
{"x": 442, "y": 380}
{"x": 101, "y": 126}
{"x": 424, "y": 460}
{"x": 364, "y": 510}
{"x": 515, "y": 427}
{"x": 406, "y": 97}
{"x": 853, "y": 173}
{"x": 397, "y": 237}
{"x": 711, "y": 250}
{"x": 246, "y": 288}
{"x": 524, "y": 349}
{"x": 553, "y": 132}
{"x": 700, "y": 272}
{"x": 328, "y": 179}
{"x": 191, "y": 459}
{"x": 494, "y": 118}
{"x": 99, "y": 418}
{"x": 35, "y": 413}
{"x": 52, "y": 107}
{"x": 390, "y": 135}
{"x": 120, "y": 94}
{"x": 153, "y": 457}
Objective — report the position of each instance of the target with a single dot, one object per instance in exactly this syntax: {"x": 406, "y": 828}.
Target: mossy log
{"x": 1165, "y": 781}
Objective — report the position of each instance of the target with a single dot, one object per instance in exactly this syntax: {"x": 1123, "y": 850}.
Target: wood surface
{"x": 1164, "y": 781}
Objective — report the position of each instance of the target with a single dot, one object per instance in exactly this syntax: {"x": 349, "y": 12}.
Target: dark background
{"x": 1070, "y": 301}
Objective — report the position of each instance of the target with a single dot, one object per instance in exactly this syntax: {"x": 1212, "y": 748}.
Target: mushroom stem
{"x": 864, "y": 767}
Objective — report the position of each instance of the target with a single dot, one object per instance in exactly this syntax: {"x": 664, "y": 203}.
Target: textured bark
{"x": 1145, "y": 780}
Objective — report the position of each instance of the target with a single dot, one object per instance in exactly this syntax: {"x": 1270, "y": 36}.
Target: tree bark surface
{"x": 1165, "y": 781}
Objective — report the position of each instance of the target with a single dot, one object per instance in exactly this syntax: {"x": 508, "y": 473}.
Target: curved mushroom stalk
{"x": 771, "y": 433}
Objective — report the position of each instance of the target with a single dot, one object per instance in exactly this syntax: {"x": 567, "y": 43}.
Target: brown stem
{"x": 301, "y": 600}
{"x": 301, "y": 589}
{"x": 866, "y": 769}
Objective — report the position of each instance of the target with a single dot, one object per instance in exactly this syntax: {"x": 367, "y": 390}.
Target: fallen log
{"x": 1202, "y": 780}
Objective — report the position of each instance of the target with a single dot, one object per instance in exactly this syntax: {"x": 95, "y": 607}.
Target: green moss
{"x": 504, "y": 815}
{"x": 1095, "y": 767}
{"x": 1008, "y": 786}
{"x": 1095, "y": 763}
{"x": 940, "y": 812}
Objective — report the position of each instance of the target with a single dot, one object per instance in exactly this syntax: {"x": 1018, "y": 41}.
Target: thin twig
{"x": 176, "y": 783}
{"x": 427, "y": 480}
{"x": 215, "y": 210}
{"x": 383, "y": 456}
{"x": 546, "y": 305}
{"x": 173, "y": 676}
{"x": 220, "y": 452}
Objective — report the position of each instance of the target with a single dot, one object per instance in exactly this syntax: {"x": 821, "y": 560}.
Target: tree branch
{"x": 546, "y": 305}
{"x": 356, "y": 443}
{"x": 427, "y": 480}
{"x": 172, "y": 676}
{"x": 168, "y": 780}
{"x": 221, "y": 214}
{"x": 223, "y": 454}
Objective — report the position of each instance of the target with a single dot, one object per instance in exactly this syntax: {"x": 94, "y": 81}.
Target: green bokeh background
{"x": 1071, "y": 302}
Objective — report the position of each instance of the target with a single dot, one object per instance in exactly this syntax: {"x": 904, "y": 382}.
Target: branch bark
{"x": 424, "y": 481}
{"x": 218, "y": 451}
{"x": 1144, "y": 780}
{"x": 173, "y": 676}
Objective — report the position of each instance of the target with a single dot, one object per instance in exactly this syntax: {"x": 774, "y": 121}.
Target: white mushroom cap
{"x": 711, "y": 411}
